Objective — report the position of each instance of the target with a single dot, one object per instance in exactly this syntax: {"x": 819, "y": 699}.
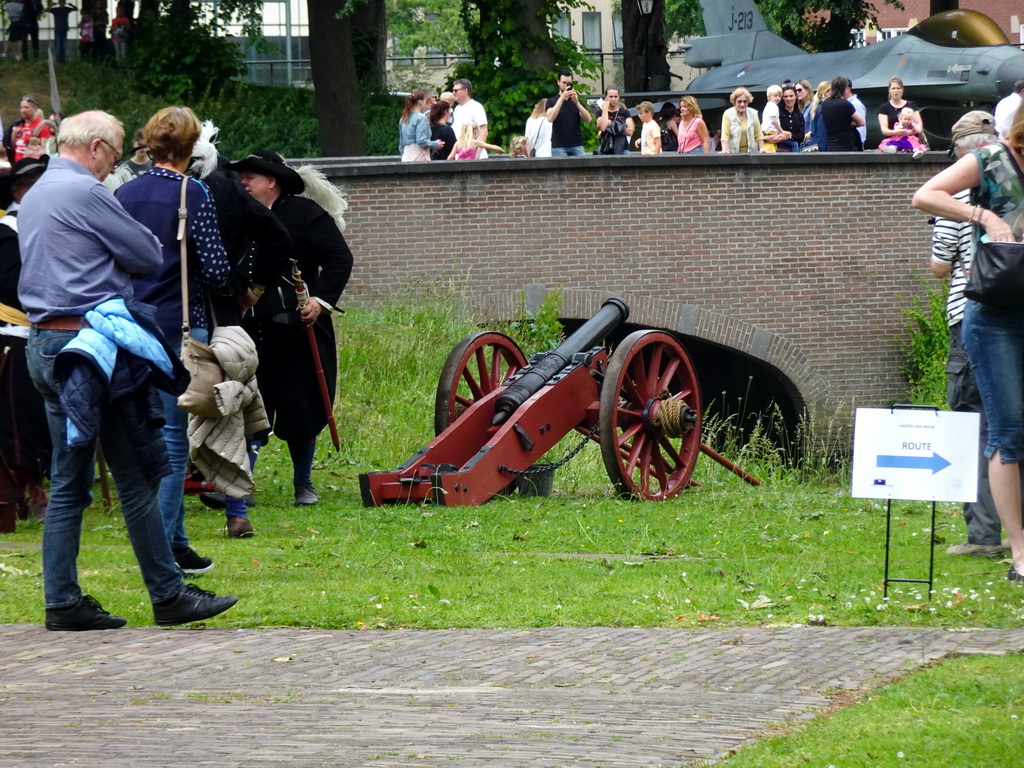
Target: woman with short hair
{"x": 153, "y": 199}
{"x": 741, "y": 128}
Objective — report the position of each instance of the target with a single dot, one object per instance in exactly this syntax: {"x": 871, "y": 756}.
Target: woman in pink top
{"x": 693, "y": 132}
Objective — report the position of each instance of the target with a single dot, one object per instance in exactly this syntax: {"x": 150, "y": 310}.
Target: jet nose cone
{"x": 1009, "y": 72}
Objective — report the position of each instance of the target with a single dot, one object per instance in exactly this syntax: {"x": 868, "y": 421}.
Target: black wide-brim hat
{"x": 269, "y": 163}
{"x": 20, "y": 170}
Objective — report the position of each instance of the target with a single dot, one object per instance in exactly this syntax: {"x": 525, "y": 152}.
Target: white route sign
{"x": 915, "y": 454}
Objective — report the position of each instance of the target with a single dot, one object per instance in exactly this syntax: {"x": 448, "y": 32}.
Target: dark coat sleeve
{"x": 9, "y": 139}
{"x": 334, "y": 257}
{"x": 10, "y": 267}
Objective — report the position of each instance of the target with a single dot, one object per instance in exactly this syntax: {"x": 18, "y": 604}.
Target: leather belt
{"x": 65, "y": 323}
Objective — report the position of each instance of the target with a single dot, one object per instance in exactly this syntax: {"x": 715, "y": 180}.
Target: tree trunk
{"x": 370, "y": 43}
{"x": 149, "y": 10}
{"x": 530, "y": 14}
{"x": 938, "y": 6}
{"x": 644, "y": 62}
{"x": 179, "y": 12}
{"x": 335, "y": 82}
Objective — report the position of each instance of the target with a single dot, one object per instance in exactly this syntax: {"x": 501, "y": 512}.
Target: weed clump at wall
{"x": 928, "y": 350}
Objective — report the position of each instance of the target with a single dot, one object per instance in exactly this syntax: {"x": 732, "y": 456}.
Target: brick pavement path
{"x": 540, "y": 697}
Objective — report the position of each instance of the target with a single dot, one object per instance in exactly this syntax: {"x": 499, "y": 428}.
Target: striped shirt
{"x": 952, "y": 246}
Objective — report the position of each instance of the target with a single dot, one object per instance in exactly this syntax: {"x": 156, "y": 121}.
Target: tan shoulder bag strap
{"x": 183, "y": 245}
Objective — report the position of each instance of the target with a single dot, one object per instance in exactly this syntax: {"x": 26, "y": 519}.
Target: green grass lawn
{"x": 724, "y": 554}
{"x": 963, "y": 713}
{"x": 796, "y": 551}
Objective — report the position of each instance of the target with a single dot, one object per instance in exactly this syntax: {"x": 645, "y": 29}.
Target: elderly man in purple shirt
{"x": 80, "y": 249}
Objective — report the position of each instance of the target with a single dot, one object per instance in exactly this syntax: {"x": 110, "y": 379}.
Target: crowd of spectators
{"x": 796, "y": 117}
{"x": 97, "y": 32}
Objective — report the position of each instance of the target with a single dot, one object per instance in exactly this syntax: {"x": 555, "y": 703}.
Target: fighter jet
{"x": 949, "y": 63}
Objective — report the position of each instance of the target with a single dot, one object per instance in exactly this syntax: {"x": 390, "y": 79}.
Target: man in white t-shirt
{"x": 1007, "y": 108}
{"x": 468, "y": 110}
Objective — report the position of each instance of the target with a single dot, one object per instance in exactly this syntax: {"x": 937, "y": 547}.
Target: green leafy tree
{"x": 815, "y": 25}
{"x": 803, "y": 23}
{"x": 516, "y": 58}
{"x": 180, "y": 52}
{"x": 683, "y": 18}
{"x": 419, "y": 24}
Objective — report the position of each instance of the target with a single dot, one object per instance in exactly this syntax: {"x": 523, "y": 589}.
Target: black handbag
{"x": 997, "y": 275}
{"x": 997, "y": 270}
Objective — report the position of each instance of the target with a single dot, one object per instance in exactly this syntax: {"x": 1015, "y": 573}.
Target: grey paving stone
{"x": 547, "y": 697}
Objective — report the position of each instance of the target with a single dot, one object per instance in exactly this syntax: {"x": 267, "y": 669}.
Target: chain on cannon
{"x": 496, "y": 415}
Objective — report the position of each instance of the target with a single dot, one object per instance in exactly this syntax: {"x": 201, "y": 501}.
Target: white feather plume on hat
{"x": 205, "y": 150}
{"x": 322, "y": 192}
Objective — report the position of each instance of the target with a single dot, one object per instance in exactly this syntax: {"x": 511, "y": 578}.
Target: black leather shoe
{"x": 191, "y": 563}
{"x": 190, "y": 604}
{"x": 84, "y": 615}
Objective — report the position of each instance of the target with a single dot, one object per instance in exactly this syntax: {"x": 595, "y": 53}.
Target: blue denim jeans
{"x": 60, "y": 45}
{"x": 567, "y": 151}
{"x": 175, "y": 432}
{"x": 983, "y": 526}
{"x": 994, "y": 340}
{"x": 72, "y": 473}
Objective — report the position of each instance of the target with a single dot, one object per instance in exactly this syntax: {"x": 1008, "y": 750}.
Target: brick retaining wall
{"x": 803, "y": 262}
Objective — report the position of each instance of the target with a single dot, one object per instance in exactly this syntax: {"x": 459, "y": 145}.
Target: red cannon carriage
{"x": 496, "y": 415}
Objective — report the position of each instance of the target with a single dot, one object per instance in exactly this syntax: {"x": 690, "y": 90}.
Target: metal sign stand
{"x": 931, "y": 555}
{"x": 888, "y": 530}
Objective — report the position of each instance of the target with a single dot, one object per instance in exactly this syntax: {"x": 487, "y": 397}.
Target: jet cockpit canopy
{"x": 960, "y": 29}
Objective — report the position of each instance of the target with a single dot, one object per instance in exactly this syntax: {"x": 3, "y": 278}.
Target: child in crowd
{"x": 469, "y": 145}
{"x": 649, "y": 142}
{"x": 770, "y": 116}
{"x": 120, "y": 33}
{"x": 668, "y": 117}
{"x": 519, "y": 147}
{"x": 910, "y": 142}
{"x": 85, "y": 48}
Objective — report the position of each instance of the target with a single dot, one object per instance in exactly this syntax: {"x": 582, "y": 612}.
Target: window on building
{"x": 562, "y": 26}
{"x": 435, "y": 56}
{"x": 886, "y": 33}
{"x": 592, "y": 31}
{"x": 617, "y": 32}
{"x": 396, "y": 59}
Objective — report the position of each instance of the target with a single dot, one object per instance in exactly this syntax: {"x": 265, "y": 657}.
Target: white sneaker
{"x": 889, "y": 149}
{"x": 918, "y": 153}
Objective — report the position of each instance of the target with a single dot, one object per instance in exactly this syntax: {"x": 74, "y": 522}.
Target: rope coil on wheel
{"x": 537, "y": 469}
{"x": 675, "y": 418}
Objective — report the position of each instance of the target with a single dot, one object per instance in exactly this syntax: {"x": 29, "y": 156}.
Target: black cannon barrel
{"x": 611, "y": 314}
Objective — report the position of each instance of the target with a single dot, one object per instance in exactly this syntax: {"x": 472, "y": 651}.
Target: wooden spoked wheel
{"x": 477, "y": 366}
{"x": 650, "y": 417}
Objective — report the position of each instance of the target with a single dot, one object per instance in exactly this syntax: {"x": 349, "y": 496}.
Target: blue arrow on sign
{"x": 934, "y": 462}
